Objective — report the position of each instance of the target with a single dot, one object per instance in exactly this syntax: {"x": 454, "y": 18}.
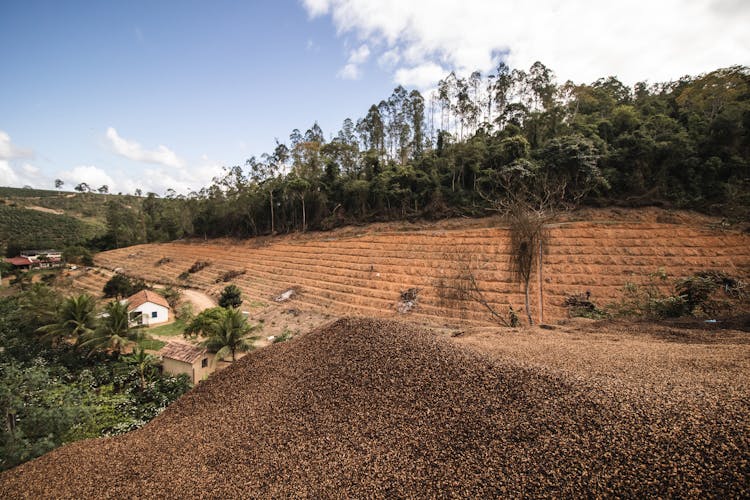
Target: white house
{"x": 147, "y": 308}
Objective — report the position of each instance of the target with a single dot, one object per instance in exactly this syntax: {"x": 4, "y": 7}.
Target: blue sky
{"x": 159, "y": 94}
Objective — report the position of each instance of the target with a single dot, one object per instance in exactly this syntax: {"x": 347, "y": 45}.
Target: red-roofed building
{"x": 147, "y": 308}
{"x": 19, "y": 262}
{"x": 196, "y": 362}
{"x": 35, "y": 259}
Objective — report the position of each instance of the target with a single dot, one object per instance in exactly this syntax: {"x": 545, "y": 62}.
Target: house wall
{"x": 162, "y": 313}
{"x": 194, "y": 371}
{"x": 203, "y": 373}
{"x": 174, "y": 367}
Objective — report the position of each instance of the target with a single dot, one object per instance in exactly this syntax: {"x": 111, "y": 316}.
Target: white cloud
{"x": 358, "y": 56}
{"x": 134, "y": 151}
{"x": 582, "y": 40}
{"x": 349, "y": 72}
{"x": 421, "y": 77}
{"x": 9, "y": 151}
{"x": 389, "y": 59}
{"x": 91, "y": 175}
{"x": 157, "y": 180}
{"x": 11, "y": 173}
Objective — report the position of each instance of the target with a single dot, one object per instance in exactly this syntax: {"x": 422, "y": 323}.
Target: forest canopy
{"x": 684, "y": 144}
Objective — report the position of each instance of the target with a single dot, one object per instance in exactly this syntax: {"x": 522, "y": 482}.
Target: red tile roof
{"x": 183, "y": 352}
{"x": 18, "y": 261}
{"x": 144, "y": 296}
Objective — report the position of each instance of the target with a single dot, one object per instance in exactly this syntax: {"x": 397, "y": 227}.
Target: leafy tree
{"x": 38, "y": 411}
{"x": 203, "y": 322}
{"x": 231, "y": 296}
{"x": 38, "y": 306}
{"x": 59, "y": 183}
{"x": 227, "y": 335}
{"x": 76, "y": 320}
{"x": 172, "y": 295}
{"x": 120, "y": 286}
{"x": 82, "y": 188}
{"x": 78, "y": 255}
{"x": 144, "y": 364}
{"x": 114, "y": 332}
{"x": 104, "y": 189}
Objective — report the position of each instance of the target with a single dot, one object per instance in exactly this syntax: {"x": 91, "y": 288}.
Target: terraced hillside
{"x": 362, "y": 271}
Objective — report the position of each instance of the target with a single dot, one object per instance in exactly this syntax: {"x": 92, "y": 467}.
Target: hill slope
{"x": 364, "y": 407}
{"x": 362, "y": 271}
{"x": 36, "y": 229}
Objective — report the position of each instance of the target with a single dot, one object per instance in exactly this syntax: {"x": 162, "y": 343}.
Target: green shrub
{"x": 694, "y": 295}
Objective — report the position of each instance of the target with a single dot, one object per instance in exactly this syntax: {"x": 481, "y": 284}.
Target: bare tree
{"x": 530, "y": 196}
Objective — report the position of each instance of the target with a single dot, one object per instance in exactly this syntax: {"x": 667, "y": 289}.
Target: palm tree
{"x": 227, "y": 334}
{"x": 76, "y": 320}
{"x": 144, "y": 364}
{"x": 114, "y": 332}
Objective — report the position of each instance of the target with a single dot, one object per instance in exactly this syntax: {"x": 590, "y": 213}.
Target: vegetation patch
{"x": 230, "y": 275}
{"x": 198, "y": 265}
{"x": 706, "y": 293}
{"x": 173, "y": 329}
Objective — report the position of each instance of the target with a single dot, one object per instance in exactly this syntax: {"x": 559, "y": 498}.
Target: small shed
{"x": 147, "y": 308}
{"x": 196, "y": 362}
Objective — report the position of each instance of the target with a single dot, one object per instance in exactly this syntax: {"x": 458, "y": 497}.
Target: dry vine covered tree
{"x": 529, "y": 197}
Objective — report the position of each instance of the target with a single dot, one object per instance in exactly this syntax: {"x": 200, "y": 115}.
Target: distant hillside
{"x": 89, "y": 206}
{"x": 41, "y": 218}
{"x": 27, "y": 228}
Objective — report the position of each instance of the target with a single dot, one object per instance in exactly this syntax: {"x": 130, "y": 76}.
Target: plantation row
{"x": 365, "y": 274}
{"x": 27, "y": 229}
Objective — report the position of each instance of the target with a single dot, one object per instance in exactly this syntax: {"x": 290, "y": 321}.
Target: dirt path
{"x": 46, "y": 210}
{"x": 199, "y": 300}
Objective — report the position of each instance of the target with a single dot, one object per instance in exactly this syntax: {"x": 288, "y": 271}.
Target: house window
{"x": 153, "y": 314}
{"x": 204, "y": 363}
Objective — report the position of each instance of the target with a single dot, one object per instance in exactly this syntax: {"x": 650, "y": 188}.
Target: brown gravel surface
{"x": 376, "y": 408}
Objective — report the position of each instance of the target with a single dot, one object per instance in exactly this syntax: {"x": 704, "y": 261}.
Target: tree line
{"x": 684, "y": 143}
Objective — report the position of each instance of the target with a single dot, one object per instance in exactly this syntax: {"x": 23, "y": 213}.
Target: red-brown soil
{"x": 380, "y": 408}
{"x": 360, "y": 271}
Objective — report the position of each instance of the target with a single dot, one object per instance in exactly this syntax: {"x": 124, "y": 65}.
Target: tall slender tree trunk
{"x": 272, "y": 217}
{"x": 528, "y": 306}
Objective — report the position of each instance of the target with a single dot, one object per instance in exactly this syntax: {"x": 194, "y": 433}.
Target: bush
{"x": 693, "y": 295}
{"x": 231, "y": 296}
{"x": 78, "y": 255}
{"x": 120, "y": 285}
{"x": 287, "y": 334}
{"x": 229, "y": 276}
{"x": 197, "y": 266}
{"x": 581, "y": 306}
{"x": 699, "y": 289}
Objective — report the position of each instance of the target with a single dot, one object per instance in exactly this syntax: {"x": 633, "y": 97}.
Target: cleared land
{"x": 374, "y": 407}
{"x": 361, "y": 271}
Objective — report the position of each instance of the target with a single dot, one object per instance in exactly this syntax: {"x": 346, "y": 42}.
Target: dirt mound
{"x": 379, "y": 408}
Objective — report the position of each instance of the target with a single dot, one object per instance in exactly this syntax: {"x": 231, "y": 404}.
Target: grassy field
{"x": 170, "y": 330}
{"x": 151, "y": 344}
